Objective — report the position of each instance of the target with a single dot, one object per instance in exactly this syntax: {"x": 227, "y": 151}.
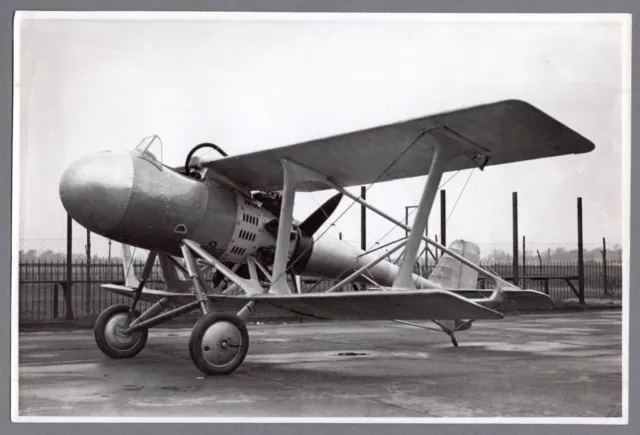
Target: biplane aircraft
{"x": 232, "y": 217}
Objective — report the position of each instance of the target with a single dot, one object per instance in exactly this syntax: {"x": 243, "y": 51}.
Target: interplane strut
{"x": 293, "y": 175}
{"x": 296, "y": 172}
{"x": 440, "y": 159}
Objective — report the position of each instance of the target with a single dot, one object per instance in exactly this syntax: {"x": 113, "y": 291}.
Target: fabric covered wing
{"x": 497, "y": 133}
{"x": 375, "y": 305}
{"x": 150, "y": 295}
{"x": 526, "y": 297}
{"x": 409, "y": 305}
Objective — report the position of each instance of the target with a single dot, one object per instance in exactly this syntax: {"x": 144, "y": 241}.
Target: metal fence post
{"x": 514, "y": 207}
{"x": 363, "y": 220}
{"x": 604, "y": 265}
{"x": 69, "y": 249}
{"x": 524, "y": 261}
{"x": 580, "y": 254}
{"x": 55, "y": 301}
{"x": 66, "y": 291}
{"x": 87, "y": 307}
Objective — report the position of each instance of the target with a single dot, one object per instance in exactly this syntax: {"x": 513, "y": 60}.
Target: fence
{"x": 43, "y": 295}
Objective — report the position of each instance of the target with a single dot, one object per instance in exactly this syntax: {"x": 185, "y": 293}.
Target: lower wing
{"x": 367, "y": 305}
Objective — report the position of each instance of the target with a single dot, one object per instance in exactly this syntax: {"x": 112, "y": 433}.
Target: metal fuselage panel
{"x": 164, "y": 207}
{"x": 248, "y": 234}
{"x": 95, "y": 190}
{"x": 135, "y": 200}
{"x": 215, "y": 228}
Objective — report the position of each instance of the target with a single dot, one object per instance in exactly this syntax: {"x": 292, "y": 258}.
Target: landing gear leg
{"x": 146, "y": 272}
{"x": 219, "y": 342}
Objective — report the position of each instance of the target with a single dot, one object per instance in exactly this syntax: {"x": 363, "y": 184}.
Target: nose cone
{"x": 95, "y": 190}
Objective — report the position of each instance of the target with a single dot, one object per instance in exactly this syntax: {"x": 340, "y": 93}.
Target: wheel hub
{"x": 115, "y": 335}
{"x": 221, "y": 343}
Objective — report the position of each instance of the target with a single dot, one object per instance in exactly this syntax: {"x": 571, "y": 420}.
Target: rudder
{"x": 451, "y": 274}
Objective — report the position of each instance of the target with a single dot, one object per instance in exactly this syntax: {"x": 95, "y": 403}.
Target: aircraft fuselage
{"x": 132, "y": 198}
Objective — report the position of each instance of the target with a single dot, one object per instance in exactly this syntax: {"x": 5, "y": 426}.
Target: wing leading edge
{"x": 491, "y": 134}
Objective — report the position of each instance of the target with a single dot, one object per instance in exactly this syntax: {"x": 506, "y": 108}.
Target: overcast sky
{"x": 251, "y": 84}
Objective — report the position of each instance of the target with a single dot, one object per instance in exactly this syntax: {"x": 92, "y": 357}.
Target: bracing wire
{"x": 274, "y": 279}
{"x": 460, "y": 195}
{"x": 412, "y": 211}
{"x": 394, "y": 226}
{"x": 130, "y": 262}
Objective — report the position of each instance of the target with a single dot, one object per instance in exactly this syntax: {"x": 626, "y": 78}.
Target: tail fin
{"x": 130, "y": 279}
{"x": 451, "y": 274}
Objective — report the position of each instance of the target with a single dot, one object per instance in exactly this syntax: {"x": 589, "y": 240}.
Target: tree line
{"x": 557, "y": 254}
{"x": 495, "y": 256}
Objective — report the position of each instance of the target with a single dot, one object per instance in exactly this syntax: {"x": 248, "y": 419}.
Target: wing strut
{"x": 363, "y": 269}
{"x": 440, "y": 158}
{"x": 293, "y": 174}
{"x": 499, "y": 282}
{"x": 312, "y": 174}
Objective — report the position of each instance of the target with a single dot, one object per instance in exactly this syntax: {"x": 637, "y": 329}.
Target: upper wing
{"x": 502, "y": 132}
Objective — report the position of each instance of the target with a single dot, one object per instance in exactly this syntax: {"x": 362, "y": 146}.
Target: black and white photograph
{"x": 320, "y": 217}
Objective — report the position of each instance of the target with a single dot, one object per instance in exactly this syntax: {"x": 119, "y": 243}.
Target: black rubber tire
{"x": 197, "y": 334}
{"x": 103, "y": 343}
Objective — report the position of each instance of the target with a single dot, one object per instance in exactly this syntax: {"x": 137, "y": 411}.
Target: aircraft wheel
{"x": 110, "y": 336}
{"x": 218, "y": 343}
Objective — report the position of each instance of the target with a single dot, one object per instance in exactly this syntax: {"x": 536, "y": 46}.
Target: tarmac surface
{"x": 560, "y": 365}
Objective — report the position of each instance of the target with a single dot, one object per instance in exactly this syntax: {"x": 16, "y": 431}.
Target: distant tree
{"x": 558, "y": 254}
{"x": 498, "y": 256}
{"x": 30, "y": 255}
